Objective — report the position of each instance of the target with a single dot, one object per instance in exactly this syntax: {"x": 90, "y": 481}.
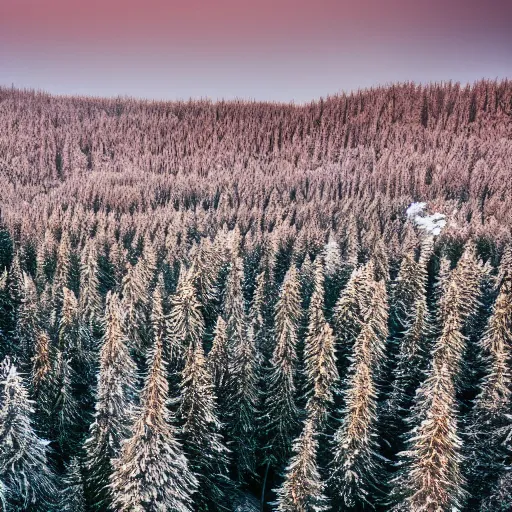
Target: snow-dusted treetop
{"x": 431, "y": 224}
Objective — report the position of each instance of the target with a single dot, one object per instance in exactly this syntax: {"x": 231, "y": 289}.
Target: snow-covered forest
{"x": 252, "y": 306}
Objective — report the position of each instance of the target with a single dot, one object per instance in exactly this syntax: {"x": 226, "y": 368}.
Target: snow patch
{"x": 431, "y": 224}
{"x": 415, "y": 209}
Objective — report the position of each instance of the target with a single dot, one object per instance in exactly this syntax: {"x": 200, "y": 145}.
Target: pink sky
{"x": 269, "y": 49}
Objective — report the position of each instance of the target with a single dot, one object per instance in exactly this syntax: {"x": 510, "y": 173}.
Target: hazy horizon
{"x": 271, "y": 51}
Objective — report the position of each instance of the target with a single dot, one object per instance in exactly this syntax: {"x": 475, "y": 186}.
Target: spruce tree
{"x": 152, "y": 472}
{"x": 430, "y": 474}
{"x": 114, "y": 406}
{"x": 28, "y": 321}
{"x": 325, "y": 377}
{"x": 24, "y": 467}
{"x": 348, "y": 315}
{"x": 303, "y": 488}
{"x": 316, "y": 321}
{"x": 243, "y": 405}
{"x": 90, "y": 302}
{"x": 334, "y": 274}
{"x": 43, "y": 381}
{"x": 218, "y": 361}
{"x": 356, "y": 470}
{"x": 72, "y": 493}
{"x": 489, "y": 447}
{"x": 200, "y": 427}
{"x": 185, "y": 324}
{"x": 260, "y": 317}
{"x": 281, "y": 412}
{"x": 136, "y": 303}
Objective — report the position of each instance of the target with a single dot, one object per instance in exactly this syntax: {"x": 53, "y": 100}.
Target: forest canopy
{"x": 226, "y": 306}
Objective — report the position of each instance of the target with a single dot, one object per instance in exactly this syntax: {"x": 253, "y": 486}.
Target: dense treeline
{"x": 207, "y": 305}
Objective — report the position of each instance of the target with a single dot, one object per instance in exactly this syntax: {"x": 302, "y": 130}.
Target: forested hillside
{"x": 208, "y": 306}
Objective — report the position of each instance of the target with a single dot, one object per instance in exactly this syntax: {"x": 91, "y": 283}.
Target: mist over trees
{"x": 232, "y": 306}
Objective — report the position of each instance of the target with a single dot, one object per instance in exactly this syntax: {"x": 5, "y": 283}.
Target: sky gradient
{"x": 279, "y": 50}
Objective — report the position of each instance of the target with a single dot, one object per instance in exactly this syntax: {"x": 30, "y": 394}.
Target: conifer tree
{"x": 281, "y": 412}
{"x": 202, "y": 440}
{"x": 303, "y": 489}
{"x": 325, "y": 377}
{"x": 24, "y": 468}
{"x": 243, "y": 405}
{"x": 218, "y": 360}
{"x": 350, "y": 311}
{"x": 114, "y": 406}
{"x": 152, "y": 472}
{"x": 410, "y": 282}
{"x": 28, "y": 321}
{"x": 490, "y": 448}
{"x": 63, "y": 272}
{"x": 65, "y": 417}
{"x": 334, "y": 272}
{"x": 412, "y": 359}
{"x": 260, "y": 317}
{"x": 90, "y": 299}
{"x": 185, "y": 324}
{"x": 12, "y": 303}
{"x": 381, "y": 261}
{"x": 41, "y": 362}
{"x": 356, "y": 470}
{"x": 306, "y": 277}
{"x": 73, "y": 494}
{"x": 205, "y": 270}
{"x": 430, "y": 476}
{"x": 316, "y": 321}
{"x": 319, "y": 354}
{"x": 234, "y": 307}
{"x": 136, "y": 303}
{"x": 412, "y": 315}
{"x": 43, "y": 381}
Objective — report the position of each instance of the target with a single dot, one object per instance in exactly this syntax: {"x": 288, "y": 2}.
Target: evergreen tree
{"x": 43, "y": 381}
{"x": 200, "y": 429}
{"x": 334, "y": 272}
{"x": 356, "y": 471}
{"x": 316, "y": 321}
{"x": 185, "y": 324}
{"x": 90, "y": 299}
{"x": 325, "y": 376}
{"x": 281, "y": 412}
{"x": 24, "y": 468}
{"x": 205, "y": 270}
{"x": 13, "y": 298}
{"x": 243, "y": 405}
{"x": 28, "y": 321}
{"x": 259, "y": 316}
{"x": 303, "y": 489}
{"x": 319, "y": 355}
{"x": 73, "y": 494}
{"x": 63, "y": 277}
{"x": 114, "y": 406}
{"x": 152, "y": 473}
{"x": 411, "y": 282}
{"x": 234, "y": 307}
{"x": 136, "y": 303}
{"x": 430, "y": 476}
{"x": 490, "y": 448}
{"x": 218, "y": 362}
{"x": 348, "y": 315}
